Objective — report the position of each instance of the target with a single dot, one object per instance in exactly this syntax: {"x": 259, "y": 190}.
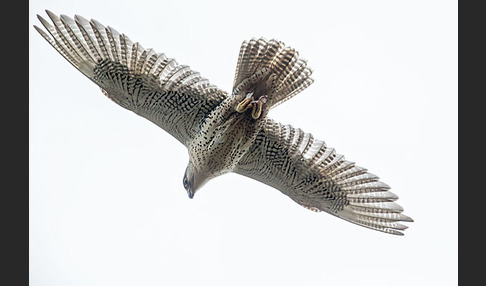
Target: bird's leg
{"x": 257, "y": 106}
{"x": 245, "y": 103}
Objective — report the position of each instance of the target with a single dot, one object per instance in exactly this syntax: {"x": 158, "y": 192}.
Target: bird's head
{"x": 194, "y": 179}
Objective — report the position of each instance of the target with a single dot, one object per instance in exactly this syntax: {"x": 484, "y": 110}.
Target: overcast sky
{"x": 107, "y": 204}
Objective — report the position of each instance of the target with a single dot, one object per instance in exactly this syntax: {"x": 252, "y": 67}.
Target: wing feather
{"x": 318, "y": 178}
{"x": 172, "y": 96}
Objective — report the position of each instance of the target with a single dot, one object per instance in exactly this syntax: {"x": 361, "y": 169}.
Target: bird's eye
{"x": 186, "y": 183}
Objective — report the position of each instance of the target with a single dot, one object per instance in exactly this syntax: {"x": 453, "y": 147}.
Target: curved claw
{"x": 257, "y": 109}
{"x": 244, "y": 105}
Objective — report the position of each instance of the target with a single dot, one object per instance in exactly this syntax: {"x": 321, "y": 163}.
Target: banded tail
{"x": 270, "y": 69}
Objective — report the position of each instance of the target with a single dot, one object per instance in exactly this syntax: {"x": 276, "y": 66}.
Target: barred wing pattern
{"x": 318, "y": 178}
{"x": 148, "y": 83}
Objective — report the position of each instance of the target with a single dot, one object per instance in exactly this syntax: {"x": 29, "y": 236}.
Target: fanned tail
{"x": 271, "y": 69}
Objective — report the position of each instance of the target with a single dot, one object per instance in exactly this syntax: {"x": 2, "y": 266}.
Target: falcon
{"x": 229, "y": 132}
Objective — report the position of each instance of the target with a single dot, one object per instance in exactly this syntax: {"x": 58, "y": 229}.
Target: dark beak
{"x": 190, "y": 193}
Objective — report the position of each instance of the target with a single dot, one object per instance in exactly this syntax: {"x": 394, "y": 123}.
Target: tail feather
{"x": 272, "y": 69}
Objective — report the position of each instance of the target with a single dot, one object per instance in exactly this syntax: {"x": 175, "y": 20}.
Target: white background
{"x": 107, "y": 205}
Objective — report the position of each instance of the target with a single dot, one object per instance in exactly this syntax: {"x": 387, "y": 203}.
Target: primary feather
{"x": 156, "y": 87}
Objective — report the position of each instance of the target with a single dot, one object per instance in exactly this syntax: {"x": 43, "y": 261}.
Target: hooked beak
{"x": 190, "y": 193}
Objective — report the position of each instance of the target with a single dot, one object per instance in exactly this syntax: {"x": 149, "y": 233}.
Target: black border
{"x": 15, "y": 115}
{"x": 15, "y": 139}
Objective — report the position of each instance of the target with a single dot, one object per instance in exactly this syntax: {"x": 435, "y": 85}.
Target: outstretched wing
{"x": 148, "y": 83}
{"x": 314, "y": 176}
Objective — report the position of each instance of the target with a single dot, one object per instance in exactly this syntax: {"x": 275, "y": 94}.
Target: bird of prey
{"x": 226, "y": 132}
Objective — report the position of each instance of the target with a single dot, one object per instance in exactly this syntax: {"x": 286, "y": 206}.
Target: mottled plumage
{"x": 229, "y": 132}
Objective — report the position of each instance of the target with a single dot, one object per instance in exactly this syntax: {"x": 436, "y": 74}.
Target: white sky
{"x": 107, "y": 205}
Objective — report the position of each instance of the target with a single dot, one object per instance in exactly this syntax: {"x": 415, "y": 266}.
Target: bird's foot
{"x": 256, "y": 105}
{"x": 245, "y": 103}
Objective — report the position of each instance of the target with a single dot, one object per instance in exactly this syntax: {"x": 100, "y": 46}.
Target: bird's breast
{"x": 221, "y": 143}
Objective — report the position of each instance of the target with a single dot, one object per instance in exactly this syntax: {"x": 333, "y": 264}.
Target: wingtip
{"x": 399, "y": 233}
{"x": 38, "y": 29}
{"x": 51, "y": 14}
{"x": 406, "y": 218}
{"x": 80, "y": 19}
{"x": 65, "y": 17}
{"x": 40, "y": 17}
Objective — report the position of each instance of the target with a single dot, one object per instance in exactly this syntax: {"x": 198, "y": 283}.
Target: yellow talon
{"x": 244, "y": 105}
{"x": 257, "y": 109}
